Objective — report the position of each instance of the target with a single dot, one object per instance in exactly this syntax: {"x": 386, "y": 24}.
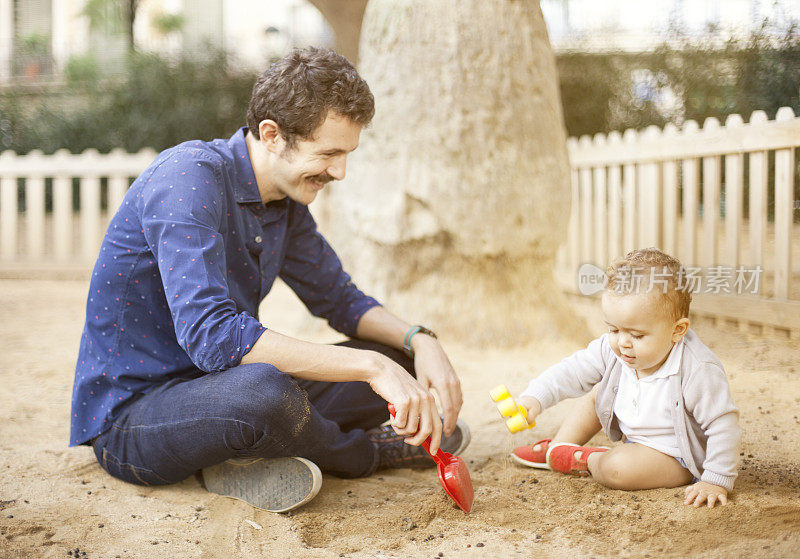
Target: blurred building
{"x": 39, "y": 37}
{"x": 623, "y": 25}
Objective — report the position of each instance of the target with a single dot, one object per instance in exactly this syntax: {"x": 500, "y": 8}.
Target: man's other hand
{"x": 416, "y": 416}
{"x": 435, "y": 371}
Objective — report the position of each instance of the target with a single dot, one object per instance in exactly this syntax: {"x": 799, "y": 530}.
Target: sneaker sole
{"x": 466, "y": 437}
{"x": 522, "y": 461}
{"x": 274, "y": 485}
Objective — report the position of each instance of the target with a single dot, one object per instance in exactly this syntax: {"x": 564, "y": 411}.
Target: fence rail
{"x": 720, "y": 198}
{"x": 44, "y": 190}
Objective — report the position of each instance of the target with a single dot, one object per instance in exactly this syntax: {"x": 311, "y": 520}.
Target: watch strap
{"x": 414, "y": 330}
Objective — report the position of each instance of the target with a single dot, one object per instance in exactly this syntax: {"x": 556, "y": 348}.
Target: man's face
{"x": 304, "y": 170}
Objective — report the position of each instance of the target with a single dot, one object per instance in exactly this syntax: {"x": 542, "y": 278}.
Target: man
{"x": 176, "y": 374}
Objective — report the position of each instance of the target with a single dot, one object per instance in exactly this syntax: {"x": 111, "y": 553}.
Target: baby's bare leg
{"x": 582, "y": 423}
{"x": 635, "y": 466}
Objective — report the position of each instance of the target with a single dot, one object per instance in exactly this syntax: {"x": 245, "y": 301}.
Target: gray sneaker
{"x": 394, "y": 453}
{"x": 275, "y": 485}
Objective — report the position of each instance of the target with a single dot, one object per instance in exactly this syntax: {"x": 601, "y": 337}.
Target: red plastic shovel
{"x": 453, "y": 474}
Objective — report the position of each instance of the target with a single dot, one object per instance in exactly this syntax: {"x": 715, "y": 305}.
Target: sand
{"x": 54, "y": 499}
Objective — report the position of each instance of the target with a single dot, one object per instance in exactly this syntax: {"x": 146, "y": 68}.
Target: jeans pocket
{"x": 128, "y": 472}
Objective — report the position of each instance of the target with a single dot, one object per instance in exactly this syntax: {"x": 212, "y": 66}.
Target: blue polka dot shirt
{"x": 185, "y": 262}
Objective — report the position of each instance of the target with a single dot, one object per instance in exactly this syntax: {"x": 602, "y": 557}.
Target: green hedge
{"x": 738, "y": 77}
{"x": 157, "y": 103}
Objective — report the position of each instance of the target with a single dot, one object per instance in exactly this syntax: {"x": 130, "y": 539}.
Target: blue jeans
{"x": 184, "y": 425}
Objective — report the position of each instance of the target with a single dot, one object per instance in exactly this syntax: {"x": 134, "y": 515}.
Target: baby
{"x": 650, "y": 382}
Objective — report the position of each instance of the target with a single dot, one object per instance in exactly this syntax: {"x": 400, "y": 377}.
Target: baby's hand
{"x": 531, "y": 405}
{"x": 702, "y": 491}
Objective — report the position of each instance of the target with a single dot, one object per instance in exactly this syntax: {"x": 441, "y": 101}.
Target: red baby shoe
{"x": 532, "y": 455}
{"x": 569, "y": 458}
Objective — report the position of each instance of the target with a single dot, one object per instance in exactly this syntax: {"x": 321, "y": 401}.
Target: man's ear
{"x": 270, "y": 134}
{"x": 679, "y": 329}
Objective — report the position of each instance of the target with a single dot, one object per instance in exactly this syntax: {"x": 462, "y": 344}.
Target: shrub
{"x": 615, "y": 91}
{"x": 154, "y": 103}
{"x": 158, "y": 102}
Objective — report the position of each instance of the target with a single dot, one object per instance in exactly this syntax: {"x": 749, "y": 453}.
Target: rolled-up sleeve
{"x": 314, "y": 272}
{"x": 181, "y": 218}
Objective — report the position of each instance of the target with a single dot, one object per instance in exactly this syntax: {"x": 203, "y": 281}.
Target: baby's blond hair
{"x": 640, "y": 270}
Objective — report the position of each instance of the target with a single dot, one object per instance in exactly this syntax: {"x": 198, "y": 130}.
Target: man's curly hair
{"x": 299, "y": 90}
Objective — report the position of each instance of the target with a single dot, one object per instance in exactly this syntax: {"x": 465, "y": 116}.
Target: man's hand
{"x": 435, "y": 371}
{"x": 531, "y": 405}
{"x": 702, "y": 491}
{"x": 415, "y": 416}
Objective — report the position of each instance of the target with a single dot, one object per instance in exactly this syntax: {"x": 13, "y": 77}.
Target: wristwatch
{"x": 416, "y": 329}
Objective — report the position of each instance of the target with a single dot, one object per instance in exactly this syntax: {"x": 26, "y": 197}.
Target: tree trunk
{"x": 458, "y": 197}
{"x": 130, "y": 19}
{"x": 344, "y": 16}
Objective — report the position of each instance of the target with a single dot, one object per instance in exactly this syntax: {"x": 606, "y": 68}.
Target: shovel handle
{"x": 426, "y": 444}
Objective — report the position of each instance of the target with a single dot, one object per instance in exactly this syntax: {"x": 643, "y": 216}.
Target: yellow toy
{"x": 517, "y": 416}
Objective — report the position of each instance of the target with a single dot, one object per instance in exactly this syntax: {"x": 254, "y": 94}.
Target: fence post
{"x": 784, "y": 208}
{"x": 689, "y": 176}
{"x": 573, "y": 238}
{"x": 62, "y": 211}
{"x": 614, "y": 202}
{"x": 757, "y": 214}
{"x": 34, "y": 212}
{"x": 629, "y": 195}
{"x": 8, "y": 208}
{"x": 670, "y": 197}
{"x": 711, "y": 179}
{"x": 650, "y": 196}
{"x": 600, "y": 208}
{"x": 733, "y": 198}
{"x": 90, "y": 206}
{"x": 585, "y": 216}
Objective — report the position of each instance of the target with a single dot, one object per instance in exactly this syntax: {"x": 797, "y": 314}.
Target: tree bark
{"x": 458, "y": 197}
{"x": 344, "y": 16}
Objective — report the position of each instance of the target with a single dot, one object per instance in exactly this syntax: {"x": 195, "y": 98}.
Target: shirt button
{"x": 258, "y": 239}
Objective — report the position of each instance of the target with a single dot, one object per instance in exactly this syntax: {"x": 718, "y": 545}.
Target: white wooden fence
{"x": 55, "y": 232}
{"x": 684, "y": 192}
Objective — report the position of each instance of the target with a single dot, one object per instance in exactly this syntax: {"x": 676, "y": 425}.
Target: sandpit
{"x": 54, "y": 499}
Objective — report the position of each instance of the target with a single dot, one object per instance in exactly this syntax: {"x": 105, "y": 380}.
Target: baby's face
{"x": 640, "y": 331}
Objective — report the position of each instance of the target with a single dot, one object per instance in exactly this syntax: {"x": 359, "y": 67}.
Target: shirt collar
{"x": 245, "y": 187}
{"x": 673, "y": 363}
